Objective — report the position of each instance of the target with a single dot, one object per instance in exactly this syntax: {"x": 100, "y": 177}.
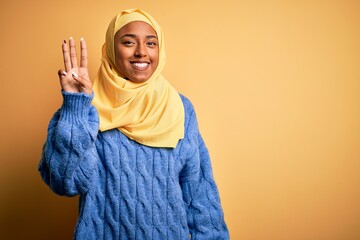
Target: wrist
{"x": 75, "y": 105}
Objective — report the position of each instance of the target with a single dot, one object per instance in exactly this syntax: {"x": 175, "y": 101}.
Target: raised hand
{"x": 75, "y": 78}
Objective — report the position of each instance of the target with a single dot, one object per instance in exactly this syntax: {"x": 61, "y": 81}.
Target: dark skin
{"x": 136, "y": 51}
{"x": 75, "y": 78}
{"x": 136, "y": 58}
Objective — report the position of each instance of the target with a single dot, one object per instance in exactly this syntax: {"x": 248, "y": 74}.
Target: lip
{"x": 140, "y": 65}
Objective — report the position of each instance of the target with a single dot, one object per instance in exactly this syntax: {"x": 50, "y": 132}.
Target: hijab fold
{"x": 150, "y": 112}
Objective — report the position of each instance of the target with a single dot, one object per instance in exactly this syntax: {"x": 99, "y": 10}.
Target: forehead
{"x": 137, "y": 28}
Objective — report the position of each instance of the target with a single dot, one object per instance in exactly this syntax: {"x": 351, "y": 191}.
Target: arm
{"x": 204, "y": 213}
{"x": 69, "y": 155}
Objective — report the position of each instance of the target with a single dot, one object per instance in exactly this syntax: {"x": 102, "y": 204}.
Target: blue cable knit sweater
{"x": 128, "y": 190}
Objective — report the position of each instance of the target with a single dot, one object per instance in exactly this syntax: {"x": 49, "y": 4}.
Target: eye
{"x": 152, "y": 44}
{"x": 128, "y": 43}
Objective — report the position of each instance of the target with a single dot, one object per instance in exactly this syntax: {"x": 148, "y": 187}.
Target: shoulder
{"x": 188, "y": 106}
{"x": 190, "y": 115}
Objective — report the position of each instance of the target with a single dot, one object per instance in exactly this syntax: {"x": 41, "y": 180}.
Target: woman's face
{"x": 136, "y": 51}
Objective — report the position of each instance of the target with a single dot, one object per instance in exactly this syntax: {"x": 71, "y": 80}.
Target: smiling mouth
{"x": 140, "y": 65}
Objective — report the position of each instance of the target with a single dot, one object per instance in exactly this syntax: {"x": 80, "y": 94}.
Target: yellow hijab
{"x": 151, "y": 112}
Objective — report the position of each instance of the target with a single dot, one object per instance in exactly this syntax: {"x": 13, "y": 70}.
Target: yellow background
{"x": 276, "y": 86}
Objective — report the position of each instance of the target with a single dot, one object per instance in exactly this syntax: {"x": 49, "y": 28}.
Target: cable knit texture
{"x": 128, "y": 190}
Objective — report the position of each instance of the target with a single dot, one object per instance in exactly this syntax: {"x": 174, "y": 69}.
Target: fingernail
{"x": 75, "y": 75}
{"x": 82, "y": 39}
{"x": 71, "y": 38}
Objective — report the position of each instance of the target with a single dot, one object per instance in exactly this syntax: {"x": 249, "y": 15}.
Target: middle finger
{"x": 73, "y": 58}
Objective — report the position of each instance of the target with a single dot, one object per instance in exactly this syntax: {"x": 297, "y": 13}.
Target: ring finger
{"x": 66, "y": 57}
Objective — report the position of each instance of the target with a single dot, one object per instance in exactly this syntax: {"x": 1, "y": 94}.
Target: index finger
{"x": 83, "y": 53}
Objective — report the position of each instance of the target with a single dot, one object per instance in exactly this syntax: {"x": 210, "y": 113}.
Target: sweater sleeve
{"x": 69, "y": 154}
{"x": 204, "y": 212}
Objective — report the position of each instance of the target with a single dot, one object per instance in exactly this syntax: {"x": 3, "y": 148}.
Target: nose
{"x": 140, "y": 51}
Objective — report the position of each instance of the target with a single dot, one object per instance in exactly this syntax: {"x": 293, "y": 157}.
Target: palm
{"x": 75, "y": 78}
{"x": 68, "y": 83}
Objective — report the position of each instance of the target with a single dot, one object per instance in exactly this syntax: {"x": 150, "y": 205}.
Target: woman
{"x": 129, "y": 144}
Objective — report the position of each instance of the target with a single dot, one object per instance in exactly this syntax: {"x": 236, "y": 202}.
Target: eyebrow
{"x": 134, "y": 36}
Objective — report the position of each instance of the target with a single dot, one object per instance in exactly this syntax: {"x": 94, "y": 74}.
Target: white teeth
{"x": 140, "y": 65}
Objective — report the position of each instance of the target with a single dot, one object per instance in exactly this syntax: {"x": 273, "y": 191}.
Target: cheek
{"x": 155, "y": 57}
{"x": 120, "y": 54}
{"x": 120, "y": 63}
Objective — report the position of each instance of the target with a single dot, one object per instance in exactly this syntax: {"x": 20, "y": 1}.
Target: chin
{"x": 138, "y": 79}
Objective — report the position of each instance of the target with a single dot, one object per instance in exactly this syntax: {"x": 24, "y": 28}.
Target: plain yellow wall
{"x": 276, "y": 86}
